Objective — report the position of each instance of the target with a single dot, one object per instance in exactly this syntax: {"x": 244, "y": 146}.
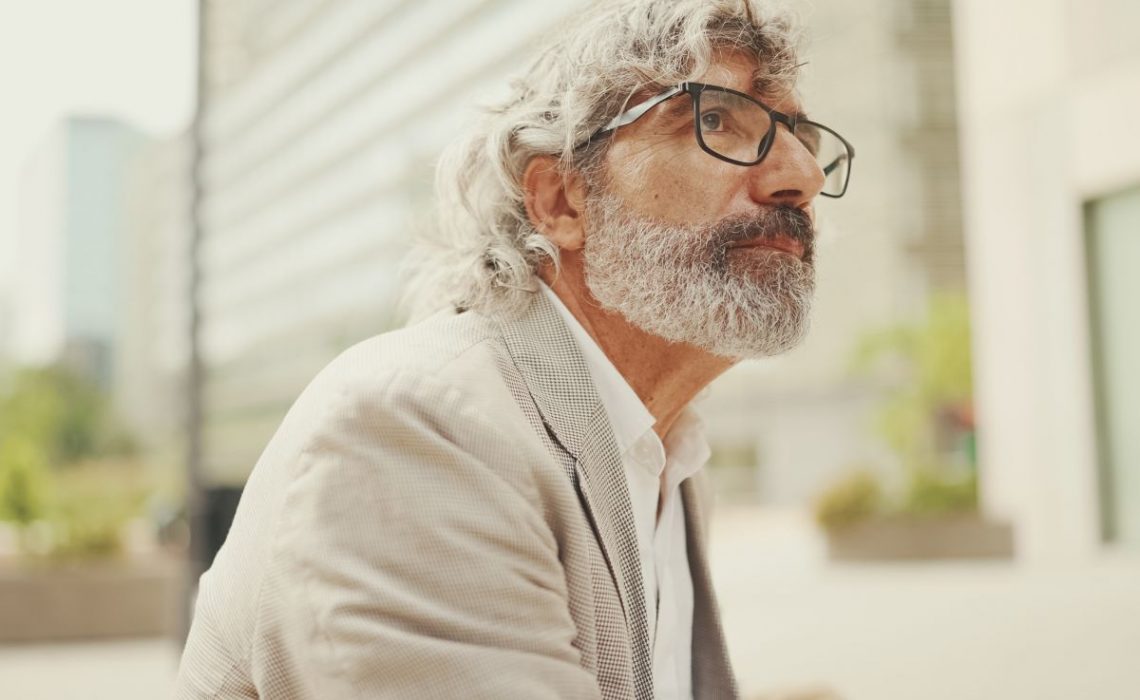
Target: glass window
{"x": 1113, "y": 239}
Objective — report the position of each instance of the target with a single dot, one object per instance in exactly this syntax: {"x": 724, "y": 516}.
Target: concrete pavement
{"x": 799, "y": 628}
{"x": 935, "y": 631}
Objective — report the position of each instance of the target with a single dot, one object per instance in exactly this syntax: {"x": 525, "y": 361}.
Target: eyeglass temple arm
{"x": 631, "y": 115}
{"x": 830, "y": 167}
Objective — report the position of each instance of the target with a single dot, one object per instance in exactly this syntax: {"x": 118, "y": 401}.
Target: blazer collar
{"x": 556, "y": 375}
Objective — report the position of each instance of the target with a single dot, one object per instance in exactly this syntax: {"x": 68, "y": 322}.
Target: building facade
{"x": 1051, "y": 171}
{"x": 153, "y": 332}
{"x": 323, "y": 122}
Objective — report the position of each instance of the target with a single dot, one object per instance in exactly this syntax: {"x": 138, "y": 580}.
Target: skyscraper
{"x": 68, "y": 286}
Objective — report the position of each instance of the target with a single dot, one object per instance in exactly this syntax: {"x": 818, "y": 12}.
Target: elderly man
{"x": 505, "y": 500}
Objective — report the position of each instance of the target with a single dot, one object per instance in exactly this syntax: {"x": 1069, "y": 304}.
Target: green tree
{"x": 66, "y": 416}
{"x": 23, "y": 481}
{"x": 929, "y": 364}
{"x": 64, "y": 460}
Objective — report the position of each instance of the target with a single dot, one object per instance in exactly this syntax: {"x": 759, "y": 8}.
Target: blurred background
{"x": 936, "y": 496}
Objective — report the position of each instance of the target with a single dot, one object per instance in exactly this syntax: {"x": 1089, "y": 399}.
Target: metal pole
{"x": 195, "y": 500}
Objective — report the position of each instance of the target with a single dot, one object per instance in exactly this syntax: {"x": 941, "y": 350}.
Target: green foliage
{"x": 935, "y": 352}
{"x": 934, "y": 492}
{"x": 23, "y": 481}
{"x": 66, "y": 416}
{"x": 928, "y": 363}
{"x": 65, "y": 466}
{"x": 93, "y": 503}
{"x": 854, "y": 497}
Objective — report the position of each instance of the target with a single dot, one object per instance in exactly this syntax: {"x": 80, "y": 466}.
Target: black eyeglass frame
{"x": 695, "y": 89}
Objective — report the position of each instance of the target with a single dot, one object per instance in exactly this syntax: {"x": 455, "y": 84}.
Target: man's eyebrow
{"x": 767, "y": 85}
{"x": 772, "y": 90}
{"x": 676, "y": 107}
{"x": 672, "y": 109}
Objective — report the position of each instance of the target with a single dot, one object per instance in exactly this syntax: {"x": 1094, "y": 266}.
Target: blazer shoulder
{"x": 441, "y": 346}
{"x": 446, "y": 363}
{"x": 427, "y": 347}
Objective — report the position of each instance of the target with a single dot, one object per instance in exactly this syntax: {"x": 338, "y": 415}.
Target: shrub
{"x": 67, "y": 479}
{"x": 23, "y": 481}
{"x": 67, "y": 416}
{"x": 934, "y": 492}
{"x": 855, "y": 496}
{"x": 93, "y": 503}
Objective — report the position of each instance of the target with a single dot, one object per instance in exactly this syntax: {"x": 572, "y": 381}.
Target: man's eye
{"x": 711, "y": 121}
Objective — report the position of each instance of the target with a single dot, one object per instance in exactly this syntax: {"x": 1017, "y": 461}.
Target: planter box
{"x": 959, "y": 536}
{"x": 132, "y": 598}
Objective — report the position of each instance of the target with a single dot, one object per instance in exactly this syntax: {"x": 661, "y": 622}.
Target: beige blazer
{"x": 442, "y": 514}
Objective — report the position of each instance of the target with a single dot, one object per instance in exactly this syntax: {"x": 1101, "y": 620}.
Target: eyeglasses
{"x": 739, "y": 129}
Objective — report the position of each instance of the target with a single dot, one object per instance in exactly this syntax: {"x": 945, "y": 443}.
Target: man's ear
{"x": 555, "y": 203}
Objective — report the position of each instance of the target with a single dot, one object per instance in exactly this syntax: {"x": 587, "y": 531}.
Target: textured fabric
{"x": 654, "y": 471}
{"x": 629, "y": 418}
{"x": 442, "y": 514}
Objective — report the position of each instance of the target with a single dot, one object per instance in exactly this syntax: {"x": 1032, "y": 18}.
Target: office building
{"x": 68, "y": 286}
{"x": 1051, "y": 170}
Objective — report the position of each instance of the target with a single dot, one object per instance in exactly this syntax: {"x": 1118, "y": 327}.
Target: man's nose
{"x": 789, "y": 175}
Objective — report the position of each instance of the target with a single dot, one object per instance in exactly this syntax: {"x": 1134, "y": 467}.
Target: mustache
{"x": 768, "y": 224}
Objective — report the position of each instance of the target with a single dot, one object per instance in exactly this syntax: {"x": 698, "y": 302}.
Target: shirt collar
{"x": 686, "y": 445}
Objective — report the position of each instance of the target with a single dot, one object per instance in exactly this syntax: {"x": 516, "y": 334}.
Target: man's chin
{"x": 777, "y": 327}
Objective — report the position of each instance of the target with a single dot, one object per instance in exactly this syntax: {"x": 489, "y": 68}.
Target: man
{"x": 505, "y": 500}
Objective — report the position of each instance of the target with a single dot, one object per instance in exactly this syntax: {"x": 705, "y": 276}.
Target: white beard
{"x": 684, "y": 284}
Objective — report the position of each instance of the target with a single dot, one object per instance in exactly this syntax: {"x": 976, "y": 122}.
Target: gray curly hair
{"x": 483, "y": 253}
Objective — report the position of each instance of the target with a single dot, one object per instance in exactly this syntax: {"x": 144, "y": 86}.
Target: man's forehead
{"x": 744, "y": 73}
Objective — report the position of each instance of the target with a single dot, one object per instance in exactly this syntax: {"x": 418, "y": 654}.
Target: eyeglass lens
{"x": 739, "y": 129}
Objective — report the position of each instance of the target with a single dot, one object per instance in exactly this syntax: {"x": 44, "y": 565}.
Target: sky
{"x": 130, "y": 59}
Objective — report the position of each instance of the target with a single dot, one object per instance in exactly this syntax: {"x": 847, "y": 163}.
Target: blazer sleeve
{"x": 412, "y": 559}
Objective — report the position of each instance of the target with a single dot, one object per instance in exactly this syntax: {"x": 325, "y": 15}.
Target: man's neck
{"x": 664, "y": 375}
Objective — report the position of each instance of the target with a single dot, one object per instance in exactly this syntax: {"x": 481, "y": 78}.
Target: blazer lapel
{"x": 712, "y": 671}
{"x": 551, "y": 364}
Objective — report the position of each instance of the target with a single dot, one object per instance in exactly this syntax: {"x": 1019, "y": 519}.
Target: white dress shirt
{"x": 654, "y": 472}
